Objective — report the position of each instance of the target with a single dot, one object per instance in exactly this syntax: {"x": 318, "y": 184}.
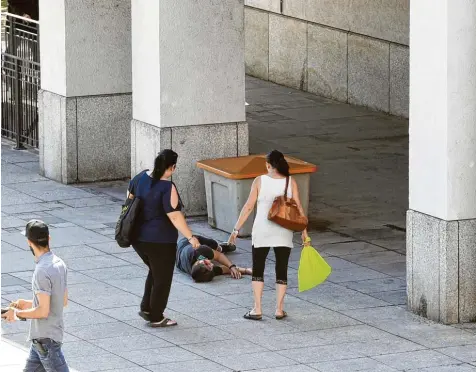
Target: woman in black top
{"x": 156, "y": 243}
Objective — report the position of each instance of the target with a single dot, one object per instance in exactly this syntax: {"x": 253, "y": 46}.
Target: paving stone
{"x": 13, "y": 197}
{"x": 352, "y": 365}
{"x": 293, "y": 368}
{"x": 158, "y": 355}
{"x": 109, "y": 247}
{"x": 71, "y": 253}
{"x": 87, "y": 202}
{"x": 49, "y": 190}
{"x": 335, "y": 297}
{"x": 377, "y": 285}
{"x": 206, "y": 302}
{"x": 224, "y": 348}
{"x": 229, "y": 316}
{"x": 354, "y": 274}
{"x": 103, "y": 330}
{"x": 9, "y": 280}
{"x": 12, "y": 221}
{"x": 6, "y": 247}
{"x": 195, "y": 335}
{"x": 463, "y": 353}
{"x": 30, "y": 207}
{"x": 349, "y": 248}
{"x": 101, "y": 296}
{"x": 94, "y": 262}
{"x": 253, "y": 361}
{"x": 77, "y": 349}
{"x": 17, "y": 261}
{"x": 117, "y": 273}
{"x": 89, "y": 215}
{"x": 416, "y": 359}
{"x": 189, "y": 366}
{"x": 99, "y": 362}
{"x": 453, "y": 368}
{"x": 129, "y": 343}
{"x": 86, "y": 318}
{"x": 130, "y": 257}
{"x": 324, "y": 353}
{"x": 392, "y": 297}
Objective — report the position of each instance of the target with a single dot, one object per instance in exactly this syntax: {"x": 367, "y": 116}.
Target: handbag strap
{"x": 286, "y": 189}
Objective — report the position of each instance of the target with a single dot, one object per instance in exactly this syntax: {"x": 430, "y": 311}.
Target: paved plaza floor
{"x": 356, "y": 321}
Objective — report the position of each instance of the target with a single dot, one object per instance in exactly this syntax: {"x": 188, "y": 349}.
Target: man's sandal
{"x": 166, "y": 322}
{"x": 250, "y": 316}
{"x": 282, "y": 316}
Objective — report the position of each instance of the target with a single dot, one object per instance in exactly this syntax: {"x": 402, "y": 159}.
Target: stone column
{"x": 188, "y": 87}
{"x": 441, "y": 222}
{"x": 85, "y": 102}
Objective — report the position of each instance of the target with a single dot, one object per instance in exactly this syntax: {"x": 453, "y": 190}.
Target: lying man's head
{"x": 202, "y": 271}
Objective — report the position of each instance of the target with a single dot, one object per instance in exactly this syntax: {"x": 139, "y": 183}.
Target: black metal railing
{"x": 20, "y": 79}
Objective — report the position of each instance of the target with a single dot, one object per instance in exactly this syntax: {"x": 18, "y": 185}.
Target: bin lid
{"x": 245, "y": 167}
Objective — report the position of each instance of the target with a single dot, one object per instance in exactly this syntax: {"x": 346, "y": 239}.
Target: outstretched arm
{"x": 297, "y": 199}
{"x": 247, "y": 209}
{"x": 227, "y": 265}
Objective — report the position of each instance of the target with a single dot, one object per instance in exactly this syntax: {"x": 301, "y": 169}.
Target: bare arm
{"x": 65, "y": 298}
{"x": 178, "y": 220}
{"x": 297, "y": 199}
{"x": 40, "y": 312}
{"x": 221, "y": 258}
{"x": 249, "y": 205}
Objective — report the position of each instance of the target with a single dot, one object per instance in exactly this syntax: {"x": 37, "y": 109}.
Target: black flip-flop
{"x": 163, "y": 323}
{"x": 250, "y": 316}
{"x": 280, "y": 317}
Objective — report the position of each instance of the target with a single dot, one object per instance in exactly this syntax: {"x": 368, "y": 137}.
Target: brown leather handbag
{"x": 285, "y": 212}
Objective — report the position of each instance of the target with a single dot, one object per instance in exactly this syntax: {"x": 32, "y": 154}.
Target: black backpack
{"x": 129, "y": 220}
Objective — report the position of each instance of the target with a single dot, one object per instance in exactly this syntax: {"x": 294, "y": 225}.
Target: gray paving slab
{"x": 128, "y": 343}
{"x": 101, "y": 296}
{"x": 352, "y": 365}
{"x": 453, "y": 368}
{"x": 416, "y": 359}
{"x": 254, "y": 361}
{"x": 189, "y": 366}
{"x": 158, "y": 355}
{"x": 116, "y": 273}
{"x": 103, "y": 330}
{"x": 315, "y": 354}
{"x": 11, "y": 196}
{"x": 99, "y": 362}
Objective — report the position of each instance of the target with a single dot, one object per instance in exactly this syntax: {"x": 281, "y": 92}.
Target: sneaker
{"x": 227, "y": 248}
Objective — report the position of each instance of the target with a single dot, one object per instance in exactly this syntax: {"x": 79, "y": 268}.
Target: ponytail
{"x": 277, "y": 161}
{"x": 163, "y": 161}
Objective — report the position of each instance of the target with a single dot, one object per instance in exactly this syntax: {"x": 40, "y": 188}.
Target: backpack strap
{"x": 286, "y": 189}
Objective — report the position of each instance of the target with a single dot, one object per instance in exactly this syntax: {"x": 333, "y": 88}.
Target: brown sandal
{"x": 280, "y": 317}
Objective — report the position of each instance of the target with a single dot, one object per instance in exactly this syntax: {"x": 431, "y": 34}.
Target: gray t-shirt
{"x": 50, "y": 277}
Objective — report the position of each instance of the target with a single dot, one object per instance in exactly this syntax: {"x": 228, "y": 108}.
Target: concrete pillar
{"x": 188, "y": 78}
{"x": 85, "y": 105}
{"x": 441, "y": 222}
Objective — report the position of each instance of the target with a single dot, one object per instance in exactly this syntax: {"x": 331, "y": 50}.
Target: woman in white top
{"x": 267, "y": 234}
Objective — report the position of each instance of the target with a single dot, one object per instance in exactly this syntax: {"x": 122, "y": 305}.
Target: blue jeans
{"x": 46, "y": 355}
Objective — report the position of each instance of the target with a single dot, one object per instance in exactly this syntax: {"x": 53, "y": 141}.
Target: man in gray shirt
{"x": 50, "y": 295}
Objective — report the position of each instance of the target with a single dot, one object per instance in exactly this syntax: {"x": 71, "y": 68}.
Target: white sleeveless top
{"x": 266, "y": 233}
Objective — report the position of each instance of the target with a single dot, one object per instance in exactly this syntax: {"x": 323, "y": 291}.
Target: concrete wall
{"x": 352, "y": 51}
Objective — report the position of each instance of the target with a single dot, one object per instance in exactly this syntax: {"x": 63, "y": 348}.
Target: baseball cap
{"x": 37, "y": 231}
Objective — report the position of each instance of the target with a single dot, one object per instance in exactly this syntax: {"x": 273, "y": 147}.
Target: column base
{"x": 192, "y": 143}
{"x": 441, "y": 268}
{"x": 84, "y": 139}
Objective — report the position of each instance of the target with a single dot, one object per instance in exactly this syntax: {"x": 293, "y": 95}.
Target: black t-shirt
{"x": 187, "y": 256}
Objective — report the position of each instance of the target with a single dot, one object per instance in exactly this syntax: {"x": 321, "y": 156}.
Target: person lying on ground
{"x": 207, "y": 261}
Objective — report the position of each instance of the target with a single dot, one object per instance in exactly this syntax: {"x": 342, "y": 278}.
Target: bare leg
{"x": 257, "y": 294}
{"x": 280, "y": 293}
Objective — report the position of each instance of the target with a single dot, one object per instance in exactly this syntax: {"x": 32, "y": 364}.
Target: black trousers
{"x": 160, "y": 258}
{"x": 259, "y": 260}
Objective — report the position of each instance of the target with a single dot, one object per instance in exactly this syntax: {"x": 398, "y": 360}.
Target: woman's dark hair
{"x": 201, "y": 274}
{"x": 277, "y": 161}
{"x": 163, "y": 161}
